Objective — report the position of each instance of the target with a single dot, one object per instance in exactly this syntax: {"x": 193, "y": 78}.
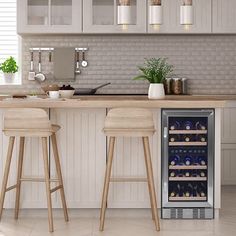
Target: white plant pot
{"x": 9, "y": 77}
{"x": 156, "y": 91}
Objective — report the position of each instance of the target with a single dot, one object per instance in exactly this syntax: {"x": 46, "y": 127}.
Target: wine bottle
{"x": 200, "y": 126}
{"x": 201, "y": 138}
{"x": 181, "y": 190}
{"x": 202, "y": 174}
{"x": 174, "y": 190}
{"x": 194, "y": 173}
{"x": 188, "y": 160}
{"x": 175, "y": 125}
{"x": 188, "y": 190}
{"x": 201, "y": 160}
{"x": 180, "y": 173}
{"x": 174, "y": 173}
{"x": 187, "y": 173}
{"x": 188, "y": 125}
{"x": 190, "y": 151}
{"x": 187, "y": 138}
{"x": 174, "y": 160}
{"x": 201, "y": 190}
{"x": 174, "y": 138}
{"x": 203, "y": 151}
{"x": 195, "y": 161}
{"x": 195, "y": 191}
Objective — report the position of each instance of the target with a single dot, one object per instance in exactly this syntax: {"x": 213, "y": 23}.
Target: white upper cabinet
{"x": 49, "y": 16}
{"x": 171, "y": 18}
{"x": 101, "y": 16}
{"x": 224, "y": 16}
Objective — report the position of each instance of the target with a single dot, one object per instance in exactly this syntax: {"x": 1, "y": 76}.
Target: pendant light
{"x": 186, "y": 13}
{"x": 124, "y": 13}
{"x": 155, "y": 13}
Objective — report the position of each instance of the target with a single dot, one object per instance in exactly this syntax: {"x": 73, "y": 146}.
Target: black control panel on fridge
{"x": 187, "y": 158}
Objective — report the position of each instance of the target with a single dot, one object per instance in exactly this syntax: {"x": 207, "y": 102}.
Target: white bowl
{"x": 66, "y": 93}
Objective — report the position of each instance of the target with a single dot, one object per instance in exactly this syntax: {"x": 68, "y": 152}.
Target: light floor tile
{"x": 120, "y": 222}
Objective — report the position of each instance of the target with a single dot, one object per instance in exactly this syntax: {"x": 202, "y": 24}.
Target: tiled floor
{"x": 121, "y": 223}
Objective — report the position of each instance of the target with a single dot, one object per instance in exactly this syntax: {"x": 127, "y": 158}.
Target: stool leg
{"x": 19, "y": 175}
{"x": 151, "y": 181}
{"x": 47, "y": 182}
{"x": 6, "y": 172}
{"x": 59, "y": 174}
{"x": 149, "y": 187}
{"x": 106, "y": 182}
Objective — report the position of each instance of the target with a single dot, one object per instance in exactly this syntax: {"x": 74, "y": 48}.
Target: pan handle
{"x": 101, "y": 86}
{"x": 77, "y": 56}
{"x": 40, "y": 60}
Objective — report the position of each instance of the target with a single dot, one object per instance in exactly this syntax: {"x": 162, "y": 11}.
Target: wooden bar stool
{"x": 129, "y": 122}
{"x": 27, "y": 122}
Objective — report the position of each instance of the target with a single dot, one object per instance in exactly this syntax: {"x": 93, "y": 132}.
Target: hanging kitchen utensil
{"x": 88, "y": 91}
{"x": 40, "y": 76}
{"x": 31, "y": 75}
{"x": 77, "y": 69}
{"x": 50, "y": 56}
{"x": 84, "y": 63}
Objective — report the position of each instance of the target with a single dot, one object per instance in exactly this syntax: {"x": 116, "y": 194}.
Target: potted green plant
{"x": 9, "y": 68}
{"x": 155, "y": 70}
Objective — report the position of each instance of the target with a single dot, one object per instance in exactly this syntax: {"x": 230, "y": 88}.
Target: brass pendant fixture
{"x": 124, "y": 13}
{"x": 186, "y": 13}
{"x": 155, "y": 13}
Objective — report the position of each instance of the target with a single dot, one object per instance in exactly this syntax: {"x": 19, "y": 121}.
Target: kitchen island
{"x": 82, "y": 146}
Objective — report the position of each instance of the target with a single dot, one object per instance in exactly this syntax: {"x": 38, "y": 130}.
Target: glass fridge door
{"x": 187, "y": 158}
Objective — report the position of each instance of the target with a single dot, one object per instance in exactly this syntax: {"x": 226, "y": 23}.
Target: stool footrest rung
{"x": 56, "y": 188}
{"x": 11, "y": 187}
{"x": 128, "y": 179}
{"x": 37, "y": 179}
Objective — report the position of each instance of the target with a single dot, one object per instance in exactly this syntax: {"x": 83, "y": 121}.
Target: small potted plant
{"x": 155, "y": 70}
{"x": 9, "y": 68}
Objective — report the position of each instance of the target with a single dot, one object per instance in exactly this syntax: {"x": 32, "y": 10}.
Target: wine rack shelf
{"x": 188, "y": 167}
{"x": 187, "y": 178}
{"x": 187, "y": 198}
{"x": 187, "y": 143}
{"x": 187, "y": 131}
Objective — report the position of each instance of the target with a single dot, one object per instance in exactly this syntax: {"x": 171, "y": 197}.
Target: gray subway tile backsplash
{"x": 209, "y": 61}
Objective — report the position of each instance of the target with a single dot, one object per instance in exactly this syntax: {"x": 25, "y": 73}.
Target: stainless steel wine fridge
{"x": 188, "y": 164}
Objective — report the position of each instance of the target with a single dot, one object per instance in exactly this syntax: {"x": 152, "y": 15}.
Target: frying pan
{"x": 88, "y": 91}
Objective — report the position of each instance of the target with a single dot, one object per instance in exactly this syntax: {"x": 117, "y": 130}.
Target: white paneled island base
{"x": 82, "y": 146}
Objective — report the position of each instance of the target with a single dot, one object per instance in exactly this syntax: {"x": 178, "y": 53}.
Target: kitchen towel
{"x": 64, "y": 64}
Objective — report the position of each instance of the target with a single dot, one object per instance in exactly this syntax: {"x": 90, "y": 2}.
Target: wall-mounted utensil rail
{"x": 50, "y": 51}
{"x": 81, "y": 49}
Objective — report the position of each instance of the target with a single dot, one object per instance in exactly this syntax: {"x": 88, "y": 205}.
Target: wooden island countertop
{"x": 108, "y": 101}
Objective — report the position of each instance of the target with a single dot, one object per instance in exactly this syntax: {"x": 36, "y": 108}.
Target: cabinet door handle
{"x": 165, "y": 132}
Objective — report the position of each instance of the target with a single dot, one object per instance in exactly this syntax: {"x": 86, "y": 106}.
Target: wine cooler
{"x": 188, "y": 164}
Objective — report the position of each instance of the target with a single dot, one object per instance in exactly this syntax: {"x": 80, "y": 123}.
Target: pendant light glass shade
{"x": 124, "y": 13}
{"x": 155, "y": 12}
{"x": 186, "y": 13}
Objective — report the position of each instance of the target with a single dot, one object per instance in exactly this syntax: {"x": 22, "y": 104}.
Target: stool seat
{"x": 28, "y": 122}
{"x": 32, "y": 132}
{"x": 132, "y": 122}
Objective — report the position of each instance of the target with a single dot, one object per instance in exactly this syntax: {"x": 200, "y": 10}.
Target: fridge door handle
{"x": 165, "y": 132}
